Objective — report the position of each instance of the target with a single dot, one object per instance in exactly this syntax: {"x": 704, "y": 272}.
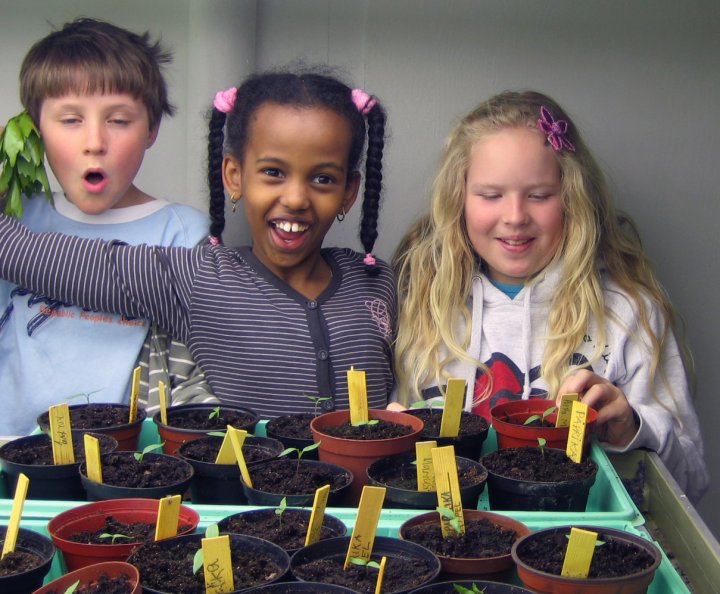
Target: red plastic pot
{"x": 91, "y": 516}
{"x": 508, "y": 418}
{"x": 90, "y": 574}
{"x": 357, "y": 455}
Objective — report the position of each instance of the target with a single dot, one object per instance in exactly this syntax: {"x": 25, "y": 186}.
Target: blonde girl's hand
{"x": 395, "y": 407}
{"x": 616, "y": 421}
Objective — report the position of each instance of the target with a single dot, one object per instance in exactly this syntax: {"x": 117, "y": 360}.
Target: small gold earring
{"x": 341, "y": 215}
{"x": 234, "y": 199}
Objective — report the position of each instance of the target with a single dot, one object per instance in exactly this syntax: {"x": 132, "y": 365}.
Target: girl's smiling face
{"x": 513, "y": 204}
{"x": 293, "y": 181}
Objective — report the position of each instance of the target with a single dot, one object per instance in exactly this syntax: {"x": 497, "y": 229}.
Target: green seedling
{"x": 359, "y": 561}
{"x": 362, "y": 423}
{"x": 85, "y": 395}
{"x": 298, "y": 451}
{"x": 216, "y": 433}
{"x": 210, "y": 532}
{"x": 453, "y": 520}
{"x": 153, "y": 446}
{"x": 473, "y": 590}
{"x": 113, "y": 537}
{"x": 533, "y": 418}
{"x": 541, "y": 444}
{"x": 280, "y": 509}
{"x": 215, "y": 413}
{"x": 72, "y": 587}
{"x": 316, "y": 401}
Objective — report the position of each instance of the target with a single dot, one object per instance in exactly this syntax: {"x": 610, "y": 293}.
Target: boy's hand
{"x": 616, "y": 420}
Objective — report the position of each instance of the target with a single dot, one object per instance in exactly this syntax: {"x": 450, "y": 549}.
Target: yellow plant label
{"x": 168, "y": 516}
{"x": 381, "y": 574}
{"x": 226, "y": 454}
{"x": 162, "y": 396}
{"x": 13, "y": 527}
{"x": 317, "y": 514}
{"x": 92, "y": 458}
{"x": 357, "y": 395}
{"x": 565, "y": 409}
{"x": 576, "y": 433}
{"x": 454, "y": 399}
{"x": 217, "y": 565}
{"x": 61, "y": 434}
{"x": 363, "y": 534}
{"x": 134, "y": 395}
{"x": 579, "y": 553}
{"x": 448, "y": 489}
{"x": 237, "y": 438}
{"x": 424, "y": 465}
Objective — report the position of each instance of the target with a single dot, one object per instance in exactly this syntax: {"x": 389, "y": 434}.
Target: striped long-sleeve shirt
{"x": 260, "y": 343}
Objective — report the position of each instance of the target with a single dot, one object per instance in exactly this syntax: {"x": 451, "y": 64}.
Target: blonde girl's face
{"x": 513, "y": 206}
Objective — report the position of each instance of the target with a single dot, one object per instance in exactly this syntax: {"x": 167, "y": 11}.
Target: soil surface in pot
{"x": 295, "y": 426}
{"x": 200, "y": 419}
{"x": 123, "y": 470}
{"x": 611, "y": 559}
{"x": 482, "y": 539}
{"x": 170, "y": 569}
{"x": 533, "y": 464}
{"x": 376, "y": 429}
{"x": 39, "y": 452}
{"x": 288, "y": 531}
{"x": 95, "y": 416}
{"x": 401, "y": 573}
{"x": 105, "y": 584}
{"x": 18, "y": 562}
{"x": 207, "y": 451}
{"x": 470, "y": 423}
{"x": 404, "y": 476}
{"x": 292, "y": 477}
{"x": 132, "y": 532}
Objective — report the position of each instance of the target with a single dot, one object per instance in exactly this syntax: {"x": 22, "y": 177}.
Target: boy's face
{"x": 95, "y": 145}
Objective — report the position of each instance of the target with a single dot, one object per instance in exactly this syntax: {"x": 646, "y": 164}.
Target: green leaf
{"x": 197, "y": 560}
{"x": 13, "y": 142}
{"x": 26, "y": 124}
{"x": 212, "y": 531}
{"x": 72, "y": 587}
{"x": 35, "y": 149}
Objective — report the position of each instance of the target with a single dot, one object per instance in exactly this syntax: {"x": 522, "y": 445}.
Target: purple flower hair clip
{"x": 555, "y": 130}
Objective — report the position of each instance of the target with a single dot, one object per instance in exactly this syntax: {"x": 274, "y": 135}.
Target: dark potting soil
{"x": 404, "y": 476}
{"x": 105, "y": 584}
{"x": 536, "y": 464}
{"x": 295, "y": 426}
{"x": 373, "y": 430}
{"x": 482, "y": 539}
{"x": 39, "y": 451}
{"x": 200, "y": 419}
{"x": 18, "y": 562}
{"x": 287, "y": 531}
{"x": 294, "y": 477}
{"x": 132, "y": 532}
{"x": 123, "y": 470}
{"x": 170, "y": 569}
{"x": 470, "y": 423}
{"x": 207, "y": 451}
{"x": 401, "y": 573}
{"x": 611, "y": 559}
{"x": 95, "y": 416}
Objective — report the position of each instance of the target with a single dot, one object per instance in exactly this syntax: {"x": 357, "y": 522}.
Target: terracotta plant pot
{"x": 173, "y": 437}
{"x": 509, "y": 493}
{"x": 100, "y": 491}
{"x": 334, "y": 550}
{"x": 507, "y": 419}
{"x": 47, "y": 481}
{"x": 90, "y": 574}
{"x": 398, "y": 497}
{"x": 127, "y": 434}
{"x": 482, "y": 586}
{"x": 467, "y": 445}
{"x": 357, "y": 455}
{"x": 220, "y": 483}
{"x": 27, "y": 581}
{"x": 470, "y": 566}
{"x": 91, "y": 517}
{"x": 549, "y": 583}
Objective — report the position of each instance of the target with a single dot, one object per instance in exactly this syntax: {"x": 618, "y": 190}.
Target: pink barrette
{"x": 214, "y": 240}
{"x": 224, "y": 100}
{"x": 555, "y": 130}
{"x": 369, "y": 260}
{"x": 363, "y": 101}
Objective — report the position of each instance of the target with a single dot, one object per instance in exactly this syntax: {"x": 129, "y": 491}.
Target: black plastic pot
{"x": 413, "y": 499}
{"x": 28, "y": 581}
{"x": 466, "y": 446}
{"x": 482, "y": 586}
{"x": 220, "y": 483}
{"x": 47, "y": 481}
{"x": 336, "y": 549}
{"x": 248, "y": 545}
{"x": 298, "y": 443}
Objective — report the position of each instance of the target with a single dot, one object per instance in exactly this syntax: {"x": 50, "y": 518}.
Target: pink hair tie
{"x": 363, "y": 101}
{"x": 214, "y": 240}
{"x": 224, "y": 100}
{"x": 369, "y": 260}
{"x": 555, "y": 130}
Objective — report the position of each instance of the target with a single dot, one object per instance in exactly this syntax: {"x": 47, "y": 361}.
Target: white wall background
{"x": 640, "y": 78}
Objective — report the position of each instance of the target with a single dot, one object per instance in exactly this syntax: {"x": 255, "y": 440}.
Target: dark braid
{"x": 373, "y": 182}
{"x": 216, "y": 139}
